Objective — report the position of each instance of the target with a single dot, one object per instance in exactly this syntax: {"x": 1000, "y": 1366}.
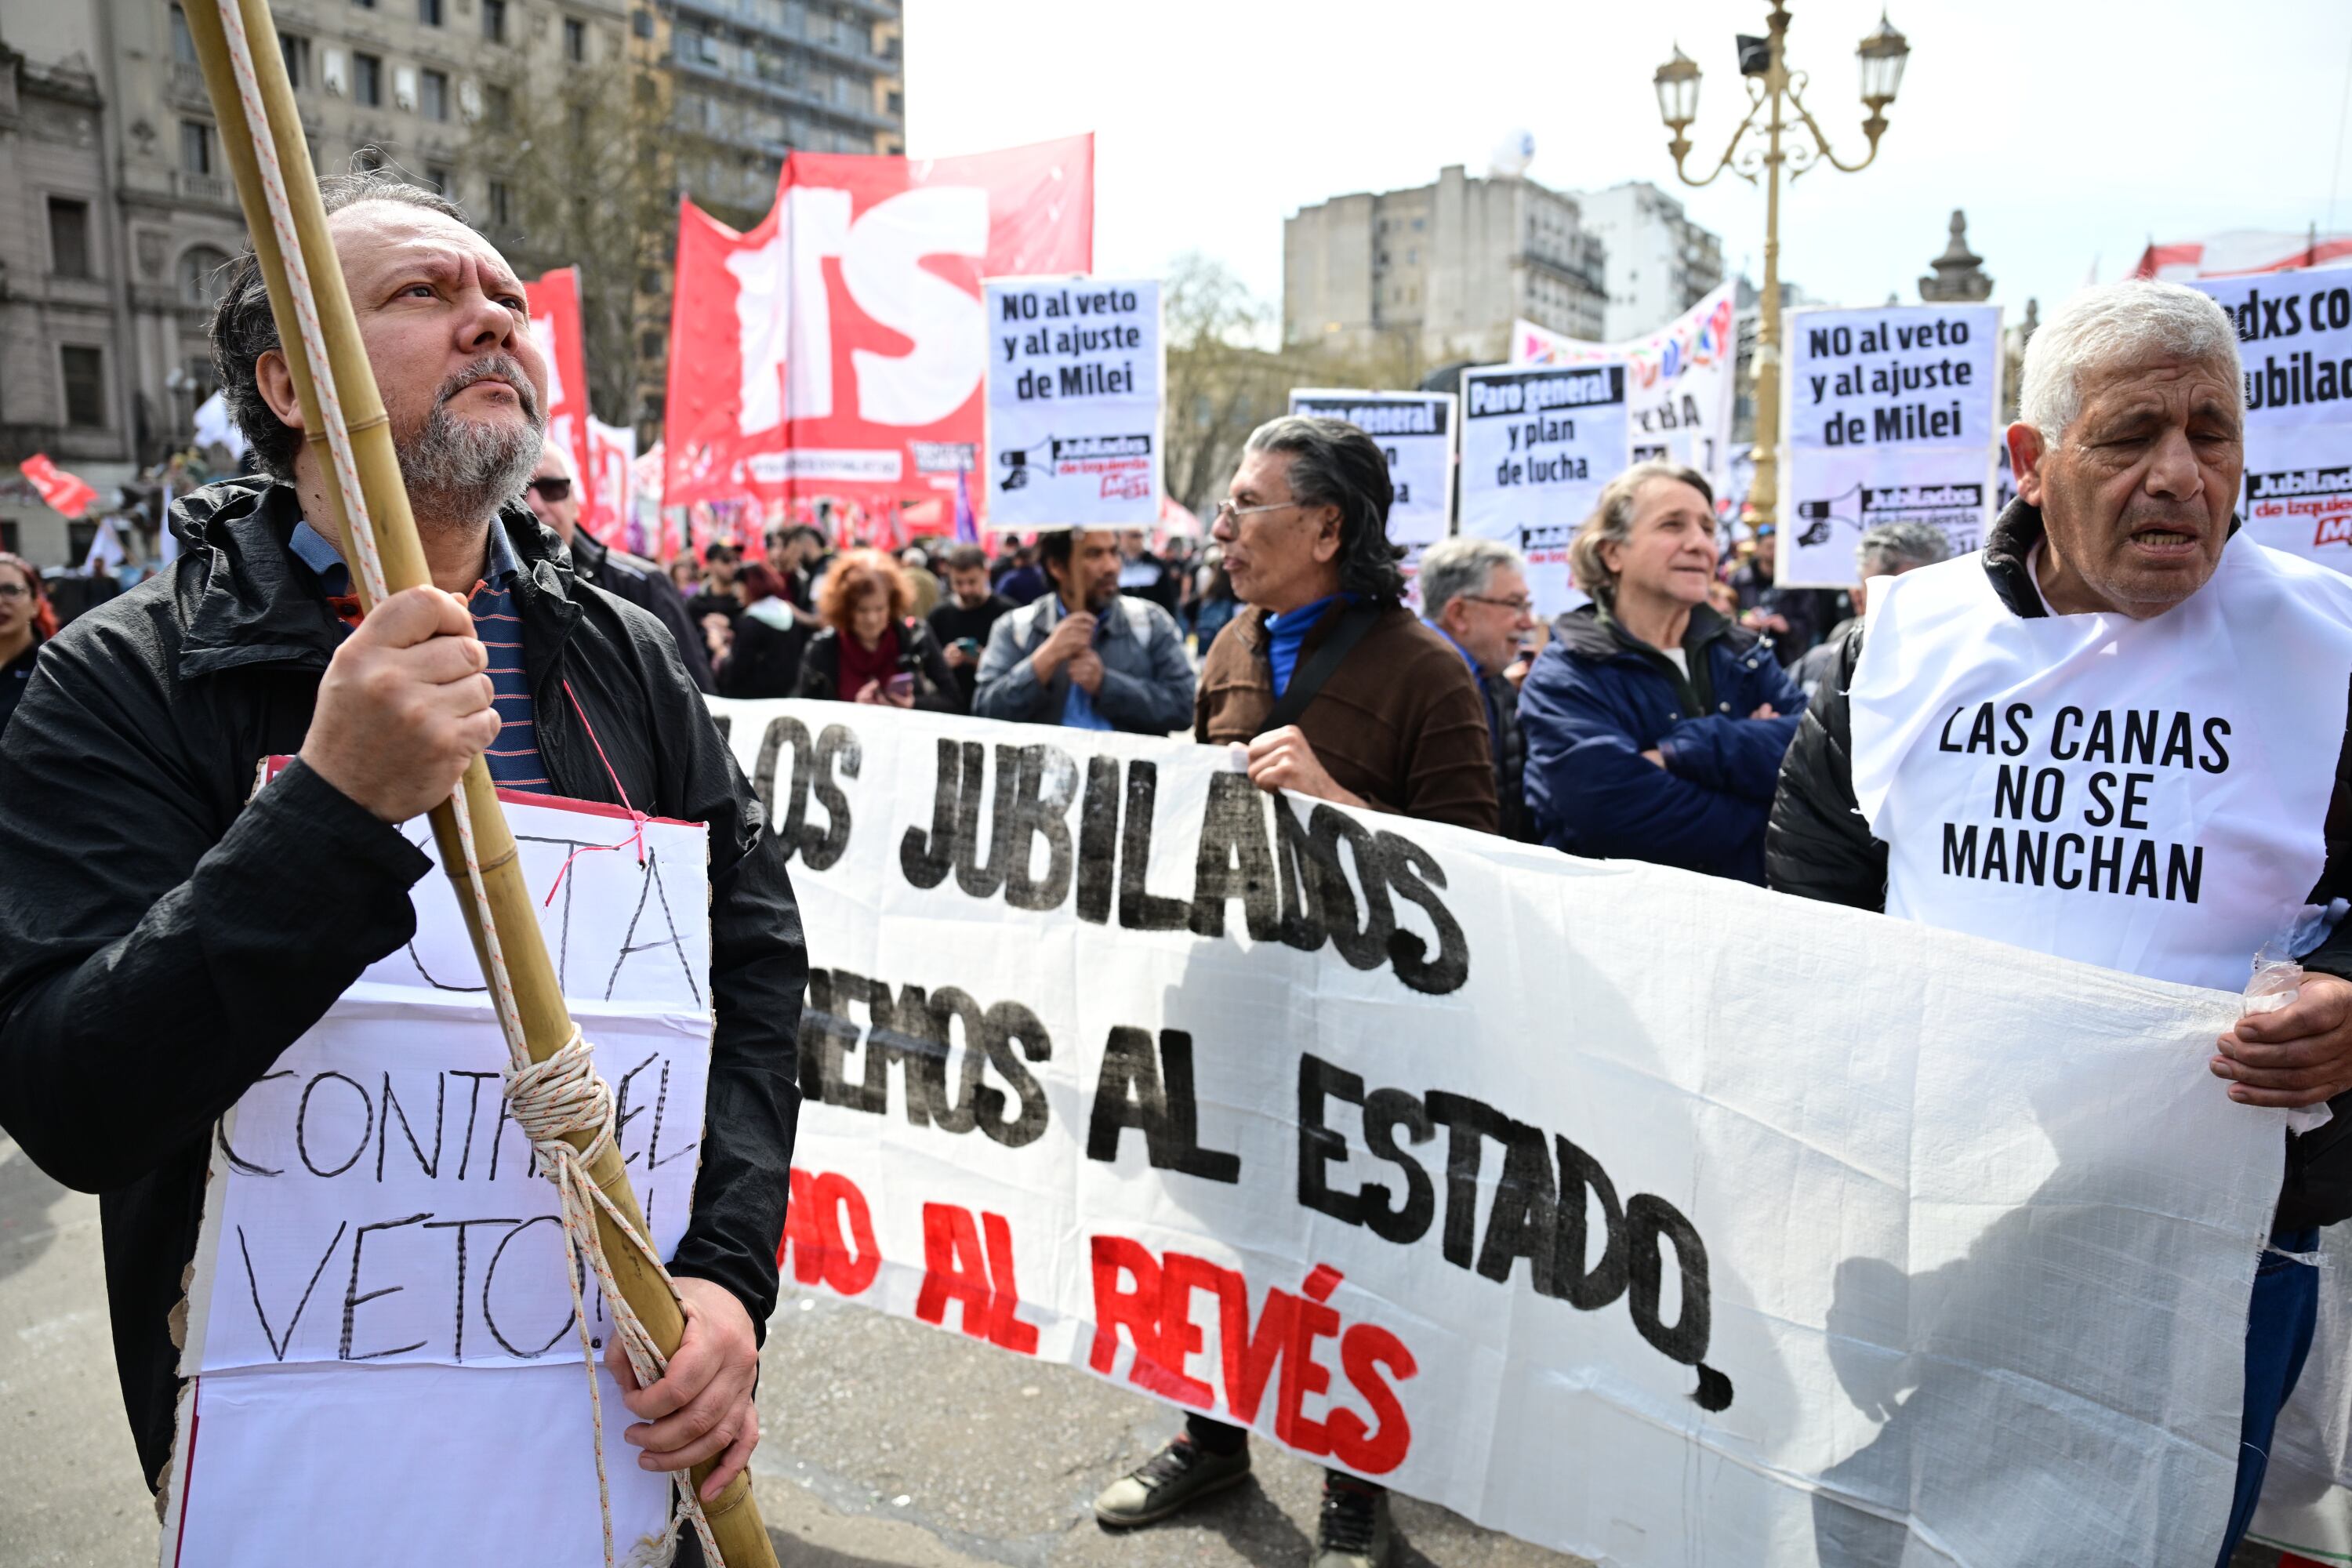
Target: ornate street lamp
{"x": 1779, "y": 90}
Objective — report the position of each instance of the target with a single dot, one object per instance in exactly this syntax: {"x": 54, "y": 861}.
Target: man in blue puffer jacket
{"x": 1654, "y": 727}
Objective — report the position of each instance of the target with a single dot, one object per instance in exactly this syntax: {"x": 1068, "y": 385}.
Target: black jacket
{"x": 919, "y": 655}
{"x": 15, "y": 676}
{"x": 1512, "y": 817}
{"x": 162, "y": 940}
{"x": 1819, "y": 847}
{"x": 764, "y": 660}
{"x": 642, "y": 583}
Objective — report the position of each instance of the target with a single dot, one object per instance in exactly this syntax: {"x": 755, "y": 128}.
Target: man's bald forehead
{"x": 381, "y": 222}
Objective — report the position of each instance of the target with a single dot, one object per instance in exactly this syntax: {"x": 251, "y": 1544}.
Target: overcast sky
{"x": 2071, "y": 131}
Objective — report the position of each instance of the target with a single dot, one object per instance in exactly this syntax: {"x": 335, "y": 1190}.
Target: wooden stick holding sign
{"x": 539, "y": 1006}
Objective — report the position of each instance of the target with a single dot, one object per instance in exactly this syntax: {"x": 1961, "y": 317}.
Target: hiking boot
{"x": 1170, "y": 1479}
{"x": 1355, "y": 1531}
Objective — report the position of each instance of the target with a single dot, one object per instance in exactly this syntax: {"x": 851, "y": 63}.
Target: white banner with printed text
{"x": 2295, "y": 336}
{"x": 1685, "y": 383}
{"x": 1074, "y": 419}
{"x": 1889, "y": 415}
{"x": 1537, "y": 448}
{"x": 1415, "y": 430}
{"x": 1453, "y": 1163}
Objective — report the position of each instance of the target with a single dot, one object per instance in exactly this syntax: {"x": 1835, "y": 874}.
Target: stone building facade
{"x": 117, "y": 210}
{"x": 1444, "y": 268}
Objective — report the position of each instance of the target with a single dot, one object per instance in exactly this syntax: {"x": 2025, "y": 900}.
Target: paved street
{"x": 888, "y": 1442}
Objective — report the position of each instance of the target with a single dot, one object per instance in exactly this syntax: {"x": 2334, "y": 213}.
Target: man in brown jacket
{"x": 1341, "y": 693}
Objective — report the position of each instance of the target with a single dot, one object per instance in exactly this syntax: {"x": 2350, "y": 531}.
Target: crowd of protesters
{"x": 1688, "y": 714}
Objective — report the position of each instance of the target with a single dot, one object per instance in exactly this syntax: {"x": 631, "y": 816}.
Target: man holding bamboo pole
{"x": 163, "y": 940}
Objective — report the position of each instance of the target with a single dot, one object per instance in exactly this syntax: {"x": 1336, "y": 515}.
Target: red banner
{"x": 70, "y": 494}
{"x": 554, "y": 302}
{"x": 838, "y": 349}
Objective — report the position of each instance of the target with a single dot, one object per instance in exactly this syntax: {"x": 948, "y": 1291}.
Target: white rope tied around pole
{"x": 564, "y": 1094}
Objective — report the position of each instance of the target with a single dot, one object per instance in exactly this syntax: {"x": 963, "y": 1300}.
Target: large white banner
{"x": 1889, "y": 415}
{"x": 1467, "y": 1166}
{"x": 380, "y": 1338}
{"x": 1683, "y": 382}
{"x": 1074, "y": 417}
{"x": 1416, "y": 430}
{"x": 2294, "y": 332}
{"x": 1538, "y": 447}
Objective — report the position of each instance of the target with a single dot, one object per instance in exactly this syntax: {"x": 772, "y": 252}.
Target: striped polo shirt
{"x": 513, "y": 757}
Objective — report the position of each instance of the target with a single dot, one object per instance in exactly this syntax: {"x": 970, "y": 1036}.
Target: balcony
{"x": 187, "y": 86}
{"x": 206, "y": 188}
{"x": 859, "y": 114}
{"x": 854, "y": 57}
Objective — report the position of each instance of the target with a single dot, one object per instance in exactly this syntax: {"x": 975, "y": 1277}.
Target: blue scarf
{"x": 1286, "y": 631}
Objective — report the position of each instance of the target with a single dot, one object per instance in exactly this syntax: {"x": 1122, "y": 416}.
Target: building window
{"x": 498, "y": 105}
{"x": 501, "y": 205}
{"x": 183, "y": 43}
{"x": 650, "y": 345}
{"x": 437, "y": 181}
{"x": 202, "y": 271}
{"x": 642, "y": 24}
{"x": 195, "y": 147}
{"x": 494, "y": 21}
{"x": 85, "y": 377}
{"x": 364, "y": 5}
{"x": 68, "y": 237}
{"x": 432, "y": 94}
{"x": 367, "y": 80}
{"x": 898, "y": 102}
{"x": 367, "y": 159}
{"x": 296, "y": 50}
{"x": 429, "y": 12}
{"x": 575, "y": 40}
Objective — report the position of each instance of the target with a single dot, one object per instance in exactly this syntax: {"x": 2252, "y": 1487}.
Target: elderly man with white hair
{"x": 2177, "y": 696}
{"x": 1474, "y": 593}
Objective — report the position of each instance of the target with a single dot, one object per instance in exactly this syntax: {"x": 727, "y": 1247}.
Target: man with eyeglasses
{"x": 554, "y": 499}
{"x": 1474, "y": 593}
{"x": 1338, "y": 692}
{"x": 167, "y": 930}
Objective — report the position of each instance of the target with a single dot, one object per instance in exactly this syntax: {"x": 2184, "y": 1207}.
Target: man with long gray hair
{"x": 1888, "y": 550}
{"x": 1334, "y": 690}
{"x": 2177, "y": 694}
{"x": 167, "y": 930}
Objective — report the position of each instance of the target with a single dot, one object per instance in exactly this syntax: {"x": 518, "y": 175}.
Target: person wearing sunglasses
{"x": 26, "y": 621}
{"x": 553, "y": 496}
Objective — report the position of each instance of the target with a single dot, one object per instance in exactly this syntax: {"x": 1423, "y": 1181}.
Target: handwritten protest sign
{"x": 1073, "y": 421}
{"x": 379, "y": 1304}
{"x": 1537, "y": 447}
{"x": 1451, "y": 1162}
{"x": 1889, "y": 415}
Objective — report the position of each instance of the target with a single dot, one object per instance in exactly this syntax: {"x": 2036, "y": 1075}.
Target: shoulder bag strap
{"x": 1308, "y": 678}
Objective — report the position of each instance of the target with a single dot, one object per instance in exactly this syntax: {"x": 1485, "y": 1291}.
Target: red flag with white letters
{"x": 838, "y": 349}
{"x": 554, "y": 302}
{"x": 70, "y": 494}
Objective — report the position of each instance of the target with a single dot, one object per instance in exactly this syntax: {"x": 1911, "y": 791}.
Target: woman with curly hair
{"x": 26, "y": 621}
{"x": 872, "y": 649}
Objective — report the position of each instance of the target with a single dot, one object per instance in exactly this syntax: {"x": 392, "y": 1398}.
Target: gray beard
{"x": 464, "y": 471}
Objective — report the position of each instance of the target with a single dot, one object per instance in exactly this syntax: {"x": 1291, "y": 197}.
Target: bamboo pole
{"x": 546, "y": 1022}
